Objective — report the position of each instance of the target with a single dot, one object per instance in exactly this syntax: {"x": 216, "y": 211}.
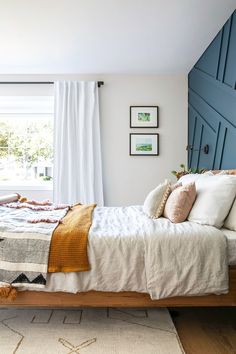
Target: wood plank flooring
{"x": 206, "y": 330}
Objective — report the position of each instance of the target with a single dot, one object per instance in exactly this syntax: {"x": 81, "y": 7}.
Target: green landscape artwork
{"x": 144, "y": 145}
{"x": 144, "y": 117}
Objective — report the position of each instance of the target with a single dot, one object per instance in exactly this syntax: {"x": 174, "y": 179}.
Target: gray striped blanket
{"x": 24, "y": 246}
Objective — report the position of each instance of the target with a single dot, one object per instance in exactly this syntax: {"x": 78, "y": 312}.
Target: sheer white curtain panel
{"x": 77, "y": 147}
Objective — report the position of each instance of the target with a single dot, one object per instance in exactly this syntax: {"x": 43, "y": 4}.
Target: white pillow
{"x": 210, "y": 173}
{"x": 193, "y": 177}
{"x": 154, "y": 203}
{"x": 222, "y": 172}
{"x": 230, "y": 222}
{"x": 215, "y": 196}
{"x": 190, "y": 178}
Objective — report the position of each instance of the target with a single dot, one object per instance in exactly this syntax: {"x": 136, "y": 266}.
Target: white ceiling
{"x": 107, "y": 36}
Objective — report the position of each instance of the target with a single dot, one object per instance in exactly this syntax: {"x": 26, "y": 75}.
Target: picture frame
{"x": 143, "y": 144}
{"x": 144, "y": 117}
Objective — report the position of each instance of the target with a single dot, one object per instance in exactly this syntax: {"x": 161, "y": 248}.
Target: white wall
{"x": 127, "y": 179}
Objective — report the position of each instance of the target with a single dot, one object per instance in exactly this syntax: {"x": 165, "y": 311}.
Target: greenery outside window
{"x": 26, "y": 142}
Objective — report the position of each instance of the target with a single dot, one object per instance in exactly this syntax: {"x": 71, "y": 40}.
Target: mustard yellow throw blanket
{"x": 68, "y": 249}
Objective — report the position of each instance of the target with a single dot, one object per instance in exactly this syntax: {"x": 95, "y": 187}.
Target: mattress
{"x": 231, "y": 243}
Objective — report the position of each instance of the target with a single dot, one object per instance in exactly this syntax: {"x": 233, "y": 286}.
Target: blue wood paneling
{"x": 212, "y": 103}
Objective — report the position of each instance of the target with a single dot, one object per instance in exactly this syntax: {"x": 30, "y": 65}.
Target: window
{"x": 26, "y": 141}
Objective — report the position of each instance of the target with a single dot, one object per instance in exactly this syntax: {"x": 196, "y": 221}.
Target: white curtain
{"x": 77, "y": 150}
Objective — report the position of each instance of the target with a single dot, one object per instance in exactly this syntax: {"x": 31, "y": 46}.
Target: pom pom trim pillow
{"x": 180, "y": 203}
{"x": 155, "y": 201}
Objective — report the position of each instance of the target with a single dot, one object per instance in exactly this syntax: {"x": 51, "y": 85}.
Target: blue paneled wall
{"x": 212, "y": 103}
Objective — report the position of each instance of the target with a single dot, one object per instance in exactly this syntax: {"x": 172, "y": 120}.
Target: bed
{"x": 87, "y": 296}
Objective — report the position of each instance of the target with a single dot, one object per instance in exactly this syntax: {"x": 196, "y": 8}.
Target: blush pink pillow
{"x": 180, "y": 202}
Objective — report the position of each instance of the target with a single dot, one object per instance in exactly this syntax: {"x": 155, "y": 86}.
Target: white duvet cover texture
{"x": 231, "y": 243}
{"x": 116, "y": 254}
{"x": 130, "y": 252}
{"x": 185, "y": 259}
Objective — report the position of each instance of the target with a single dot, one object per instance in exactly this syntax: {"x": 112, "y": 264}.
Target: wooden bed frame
{"x": 120, "y": 299}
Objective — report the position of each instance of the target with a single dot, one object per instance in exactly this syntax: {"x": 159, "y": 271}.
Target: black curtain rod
{"x": 100, "y": 83}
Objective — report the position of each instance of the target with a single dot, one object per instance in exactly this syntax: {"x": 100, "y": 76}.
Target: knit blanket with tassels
{"x": 24, "y": 246}
{"x": 37, "y": 240}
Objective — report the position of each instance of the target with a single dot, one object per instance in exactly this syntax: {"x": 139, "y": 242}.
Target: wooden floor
{"x": 206, "y": 330}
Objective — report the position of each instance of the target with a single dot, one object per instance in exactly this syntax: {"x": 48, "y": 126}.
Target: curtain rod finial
{"x": 100, "y": 83}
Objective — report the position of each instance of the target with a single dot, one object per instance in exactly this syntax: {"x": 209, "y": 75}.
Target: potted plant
{"x": 187, "y": 171}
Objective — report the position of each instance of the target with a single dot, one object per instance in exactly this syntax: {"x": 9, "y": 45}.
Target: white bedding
{"x": 130, "y": 252}
{"x": 231, "y": 243}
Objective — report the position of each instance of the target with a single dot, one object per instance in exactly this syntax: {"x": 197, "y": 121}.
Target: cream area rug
{"x": 83, "y": 331}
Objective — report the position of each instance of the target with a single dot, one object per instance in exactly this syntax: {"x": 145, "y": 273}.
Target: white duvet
{"x": 130, "y": 252}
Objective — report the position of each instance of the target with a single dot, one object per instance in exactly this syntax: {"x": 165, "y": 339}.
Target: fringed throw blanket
{"x": 25, "y": 238}
{"x": 24, "y": 246}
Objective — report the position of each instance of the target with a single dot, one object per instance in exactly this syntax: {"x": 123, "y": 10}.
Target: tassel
{"x": 12, "y": 294}
{"x": 8, "y": 292}
{"x": 23, "y": 200}
{"x": 36, "y": 202}
{"x": 49, "y": 221}
{"x": 37, "y": 207}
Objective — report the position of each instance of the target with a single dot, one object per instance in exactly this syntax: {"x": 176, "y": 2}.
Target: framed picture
{"x": 143, "y": 144}
{"x": 144, "y": 117}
